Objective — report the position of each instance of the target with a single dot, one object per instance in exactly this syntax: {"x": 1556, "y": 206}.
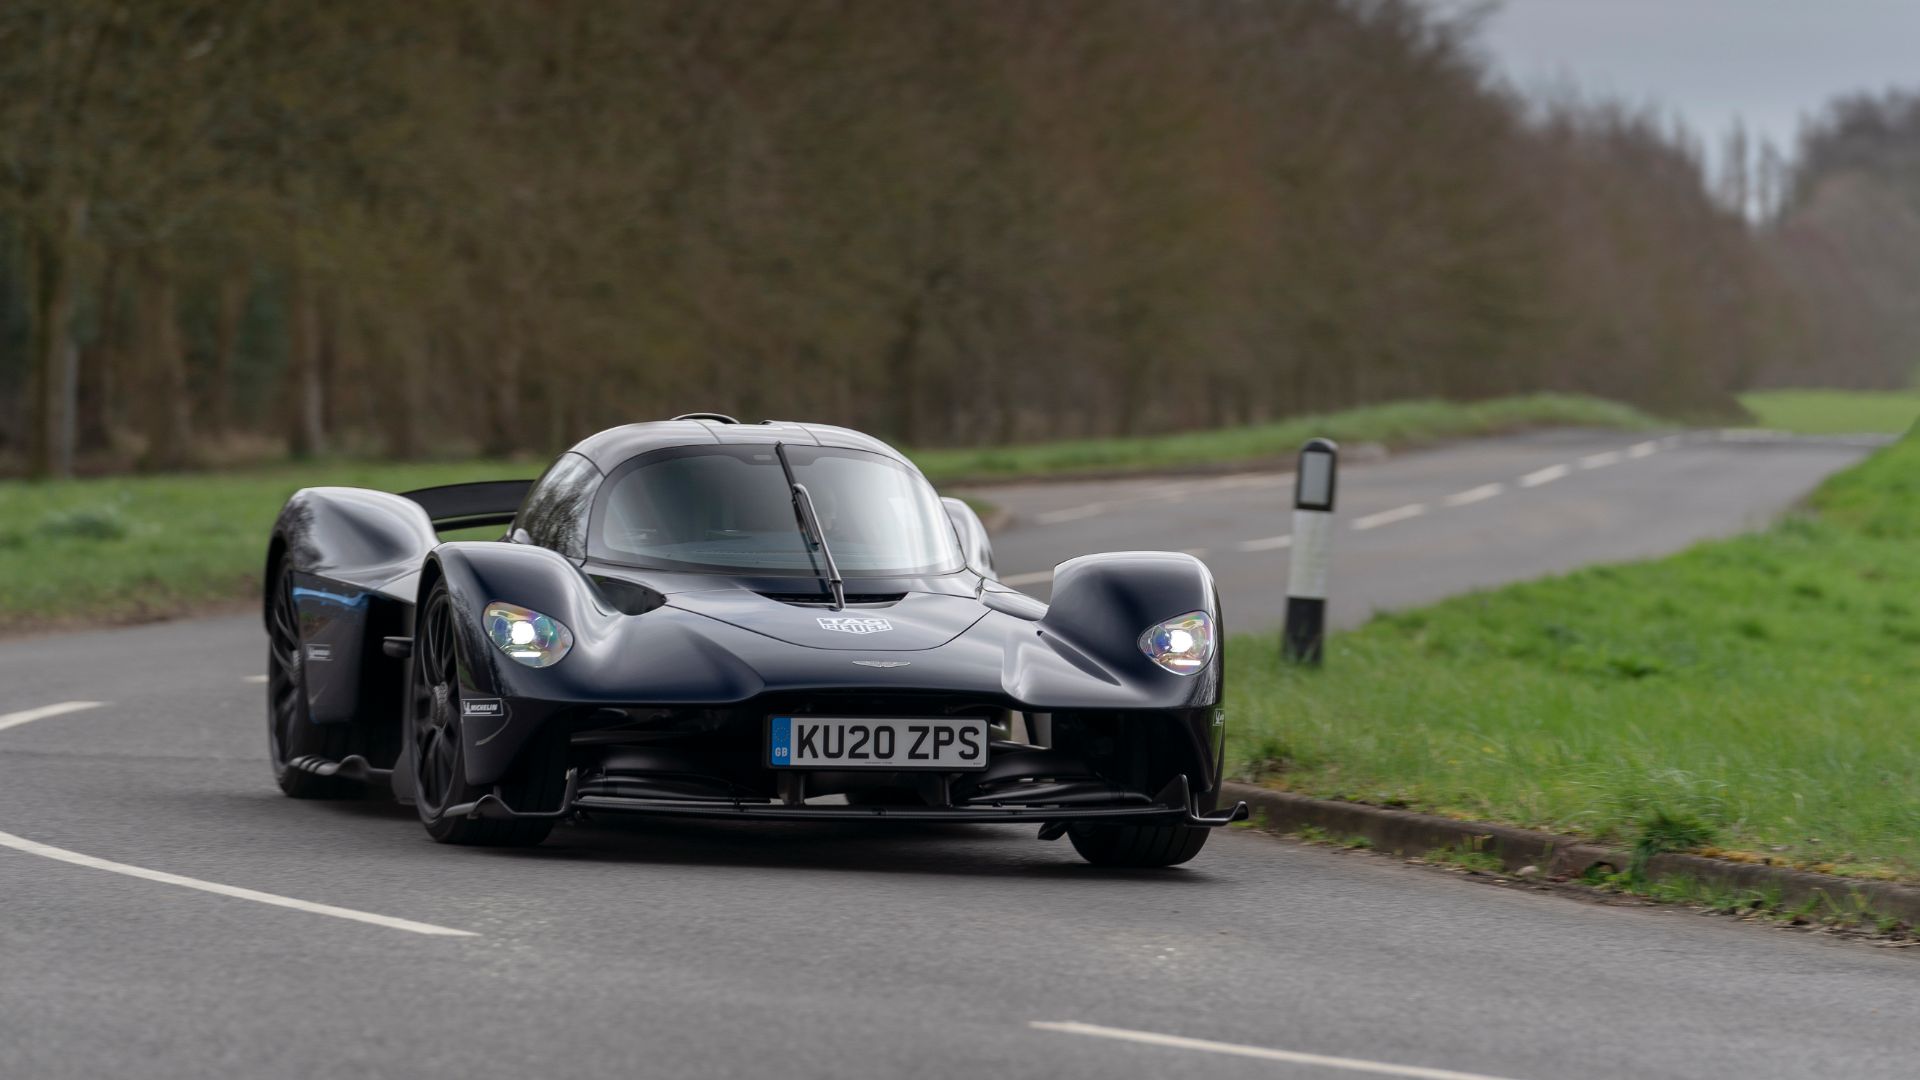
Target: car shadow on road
{"x": 892, "y": 847}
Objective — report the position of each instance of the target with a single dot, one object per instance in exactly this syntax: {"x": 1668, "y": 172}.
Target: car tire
{"x": 290, "y": 734}
{"x": 434, "y": 752}
{"x": 1137, "y": 845}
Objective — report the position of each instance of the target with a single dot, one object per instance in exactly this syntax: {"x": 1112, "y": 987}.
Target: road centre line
{"x": 1072, "y": 513}
{"x": 28, "y": 716}
{"x": 1388, "y": 517}
{"x": 1160, "y": 493}
{"x": 1473, "y": 495}
{"x": 47, "y": 851}
{"x": 1544, "y": 476}
{"x": 1291, "y": 1057}
{"x": 254, "y": 678}
{"x": 1372, "y": 521}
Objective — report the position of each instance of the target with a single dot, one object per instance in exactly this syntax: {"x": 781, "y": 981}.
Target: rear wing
{"x": 466, "y": 506}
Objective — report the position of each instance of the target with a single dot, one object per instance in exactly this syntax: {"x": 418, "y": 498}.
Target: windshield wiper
{"x": 810, "y": 529}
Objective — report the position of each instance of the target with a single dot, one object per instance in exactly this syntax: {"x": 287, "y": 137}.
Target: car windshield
{"x": 729, "y": 508}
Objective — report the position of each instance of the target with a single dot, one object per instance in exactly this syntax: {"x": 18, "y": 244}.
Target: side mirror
{"x": 973, "y": 537}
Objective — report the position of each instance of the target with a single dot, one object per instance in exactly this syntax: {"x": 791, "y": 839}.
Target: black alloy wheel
{"x": 290, "y": 734}
{"x": 438, "y": 762}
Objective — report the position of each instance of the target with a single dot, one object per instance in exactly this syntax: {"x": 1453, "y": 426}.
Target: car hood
{"x": 914, "y": 621}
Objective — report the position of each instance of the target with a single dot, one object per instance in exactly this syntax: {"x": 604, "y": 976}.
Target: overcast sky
{"x": 1766, "y": 62}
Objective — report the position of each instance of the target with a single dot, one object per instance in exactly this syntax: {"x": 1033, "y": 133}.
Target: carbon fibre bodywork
{"x": 671, "y": 677}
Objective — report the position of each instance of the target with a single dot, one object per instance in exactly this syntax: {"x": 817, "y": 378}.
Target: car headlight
{"x": 534, "y": 639}
{"x": 1182, "y": 645}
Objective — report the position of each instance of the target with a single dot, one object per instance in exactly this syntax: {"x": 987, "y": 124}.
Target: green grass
{"x": 1834, "y": 412}
{"x": 1752, "y": 697}
{"x": 151, "y": 547}
{"x": 1399, "y": 424}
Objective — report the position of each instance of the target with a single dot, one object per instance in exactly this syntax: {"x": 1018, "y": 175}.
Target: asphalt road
{"x": 715, "y": 950}
{"x": 1422, "y": 526}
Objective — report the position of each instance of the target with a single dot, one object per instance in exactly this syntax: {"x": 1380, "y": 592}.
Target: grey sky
{"x": 1767, "y": 62}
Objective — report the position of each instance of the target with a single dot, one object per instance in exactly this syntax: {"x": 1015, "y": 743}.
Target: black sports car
{"x": 708, "y": 618}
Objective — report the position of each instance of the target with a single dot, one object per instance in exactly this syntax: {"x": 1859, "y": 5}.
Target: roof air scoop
{"x": 716, "y": 417}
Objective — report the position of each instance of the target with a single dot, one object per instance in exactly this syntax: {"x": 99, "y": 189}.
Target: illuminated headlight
{"x": 534, "y": 639}
{"x": 1182, "y": 645}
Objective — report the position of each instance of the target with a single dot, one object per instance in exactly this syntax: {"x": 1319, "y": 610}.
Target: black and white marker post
{"x": 1313, "y": 487}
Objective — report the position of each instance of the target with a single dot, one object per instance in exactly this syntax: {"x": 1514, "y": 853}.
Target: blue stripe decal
{"x": 781, "y": 752}
{"x": 356, "y": 600}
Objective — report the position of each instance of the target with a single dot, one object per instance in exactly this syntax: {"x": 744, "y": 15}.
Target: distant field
{"x": 1835, "y": 412}
{"x": 1759, "y": 691}
{"x": 151, "y": 547}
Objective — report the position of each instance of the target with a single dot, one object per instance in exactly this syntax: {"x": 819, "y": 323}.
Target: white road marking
{"x": 1072, "y": 513}
{"x": 1034, "y": 578}
{"x": 1267, "y": 543}
{"x": 1388, "y": 517}
{"x": 1601, "y": 461}
{"x": 1176, "y": 492}
{"x": 1642, "y": 449}
{"x": 254, "y": 679}
{"x": 1291, "y": 1057}
{"x": 1544, "y": 476}
{"x": 46, "y": 851}
{"x": 1474, "y": 495}
{"x": 28, "y": 716}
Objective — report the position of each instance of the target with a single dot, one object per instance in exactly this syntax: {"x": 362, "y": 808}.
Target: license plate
{"x": 827, "y": 742}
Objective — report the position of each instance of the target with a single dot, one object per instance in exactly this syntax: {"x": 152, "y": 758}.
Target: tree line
{"x": 441, "y": 227}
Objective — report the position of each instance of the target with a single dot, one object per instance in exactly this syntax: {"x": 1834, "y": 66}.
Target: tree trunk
{"x": 226, "y": 348}
{"x": 326, "y": 356}
{"x": 98, "y": 362}
{"x": 503, "y": 394}
{"x": 306, "y": 434}
{"x": 415, "y": 346}
{"x": 903, "y": 370}
{"x": 52, "y": 362}
{"x": 166, "y": 406}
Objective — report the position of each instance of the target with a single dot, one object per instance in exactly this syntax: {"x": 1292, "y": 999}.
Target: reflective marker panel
{"x": 1315, "y": 489}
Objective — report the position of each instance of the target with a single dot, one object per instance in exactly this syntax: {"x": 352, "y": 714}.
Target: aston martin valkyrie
{"x": 700, "y": 617}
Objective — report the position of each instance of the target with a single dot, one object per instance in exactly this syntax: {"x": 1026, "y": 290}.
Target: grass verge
{"x": 1750, "y": 698}
{"x": 1399, "y": 424}
{"x": 1834, "y": 412}
{"x": 128, "y": 548}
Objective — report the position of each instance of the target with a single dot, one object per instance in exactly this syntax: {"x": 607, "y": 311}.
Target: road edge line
{"x": 45, "y": 712}
{"x": 75, "y": 858}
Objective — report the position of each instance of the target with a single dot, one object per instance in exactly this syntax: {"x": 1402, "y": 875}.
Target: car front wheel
{"x": 538, "y": 780}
